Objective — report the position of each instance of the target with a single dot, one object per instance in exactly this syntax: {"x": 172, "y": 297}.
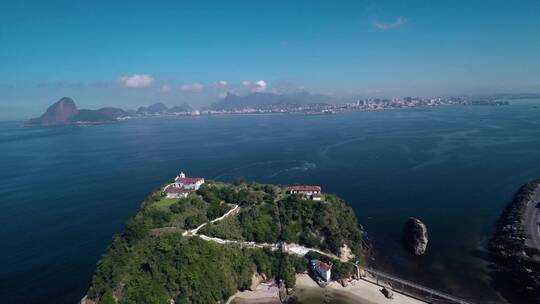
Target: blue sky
{"x": 132, "y": 53}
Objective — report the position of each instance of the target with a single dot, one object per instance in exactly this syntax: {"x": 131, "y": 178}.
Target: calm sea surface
{"x": 64, "y": 192}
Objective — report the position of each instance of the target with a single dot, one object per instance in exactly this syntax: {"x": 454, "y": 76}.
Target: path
{"x": 196, "y": 230}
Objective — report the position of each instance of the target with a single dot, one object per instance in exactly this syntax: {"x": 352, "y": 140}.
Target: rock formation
{"x": 59, "y": 113}
{"x": 415, "y": 236}
{"x": 65, "y": 112}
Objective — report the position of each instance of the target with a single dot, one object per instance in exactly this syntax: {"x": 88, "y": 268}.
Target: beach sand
{"x": 307, "y": 291}
{"x": 362, "y": 292}
{"x": 265, "y": 293}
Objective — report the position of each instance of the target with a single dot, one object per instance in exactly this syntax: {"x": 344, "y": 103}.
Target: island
{"x": 515, "y": 245}
{"x": 200, "y": 241}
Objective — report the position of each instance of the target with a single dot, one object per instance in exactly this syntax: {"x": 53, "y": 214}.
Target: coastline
{"x": 517, "y": 264}
{"x": 359, "y": 291}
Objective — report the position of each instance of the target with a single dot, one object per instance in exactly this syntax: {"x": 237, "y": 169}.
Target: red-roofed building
{"x": 312, "y": 192}
{"x": 322, "y": 269}
{"x": 192, "y": 183}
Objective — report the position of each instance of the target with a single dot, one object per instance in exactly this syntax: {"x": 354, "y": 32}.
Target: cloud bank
{"x": 192, "y": 88}
{"x": 136, "y": 80}
{"x": 400, "y": 21}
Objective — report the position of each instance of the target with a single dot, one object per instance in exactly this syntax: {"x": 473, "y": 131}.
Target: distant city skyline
{"x": 128, "y": 54}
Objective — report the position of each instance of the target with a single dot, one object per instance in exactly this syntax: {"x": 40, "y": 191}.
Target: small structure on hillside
{"x": 308, "y": 192}
{"x": 192, "y": 183}
{"x": 183, "y": 186}
{"x": 322, "y": 269}
{"x": 176, "y": 192}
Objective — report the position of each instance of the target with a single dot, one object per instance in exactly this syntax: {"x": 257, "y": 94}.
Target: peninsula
{"x": 200, "y": 241}
{"x": 197, "y": 241}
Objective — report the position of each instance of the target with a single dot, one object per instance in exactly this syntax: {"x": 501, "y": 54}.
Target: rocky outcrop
{"x": 415, "y": 236}
{"x": 257, "y": 279}
{"x": 59, "y": 113}
{"x": 65, "y": 112}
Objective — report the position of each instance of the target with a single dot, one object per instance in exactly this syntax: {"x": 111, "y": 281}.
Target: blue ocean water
{"x": 65, "y": 191}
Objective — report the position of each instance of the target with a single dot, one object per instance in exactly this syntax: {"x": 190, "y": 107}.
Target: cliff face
{"x": 415, "y": 236}
{"x": 59, "y": 113}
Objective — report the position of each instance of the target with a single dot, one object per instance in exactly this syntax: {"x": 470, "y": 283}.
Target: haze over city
{"x": 130, "y": 54}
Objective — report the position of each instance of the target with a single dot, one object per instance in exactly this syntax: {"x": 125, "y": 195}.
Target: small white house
{"x": 311, "y": 192}
{"x": 191, "y": 183}
{"x": 323, "y": 270}
{"x": 176, "y": 192}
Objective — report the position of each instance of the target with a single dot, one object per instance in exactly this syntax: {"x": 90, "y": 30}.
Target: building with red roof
{"x": 192, "y": 183}
{"x": 311, "y": 192}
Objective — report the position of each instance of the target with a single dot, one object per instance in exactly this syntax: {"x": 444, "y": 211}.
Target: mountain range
{"x": 269, "y": 100}
{"x": 65, "y": 111}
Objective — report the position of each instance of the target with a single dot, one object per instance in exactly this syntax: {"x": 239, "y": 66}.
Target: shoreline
{"x": 516, "y": 263}
{"x": 360, "y": 291}
{"x": 308, "y": 291}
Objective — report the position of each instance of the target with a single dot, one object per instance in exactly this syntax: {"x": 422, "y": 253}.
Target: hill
{"x": 155, "y": 108}
{"x": 155, "y": 259}
{"x": 269, "y": 100}
{"x": 65, "y": 112}
{"x": 181, "y": 108}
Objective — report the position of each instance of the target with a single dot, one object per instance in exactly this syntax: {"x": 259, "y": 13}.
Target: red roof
{"x": 305, "y": 188}
{"x": 188, "y": 180}
{"x": 323, "y": 265}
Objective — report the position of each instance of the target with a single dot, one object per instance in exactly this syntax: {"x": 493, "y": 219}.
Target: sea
{"x": 66, "y": 191}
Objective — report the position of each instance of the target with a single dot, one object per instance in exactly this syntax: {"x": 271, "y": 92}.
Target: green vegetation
{"x": 269, "y": 215}
{"x": 151, "y": 262}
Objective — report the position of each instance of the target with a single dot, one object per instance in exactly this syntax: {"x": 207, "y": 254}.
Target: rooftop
{"x": 305, "y": 188}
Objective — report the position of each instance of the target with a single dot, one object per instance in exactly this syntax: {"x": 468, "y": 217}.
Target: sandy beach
{"x": 307, "y": 291}
{"x": 265, "y": 293}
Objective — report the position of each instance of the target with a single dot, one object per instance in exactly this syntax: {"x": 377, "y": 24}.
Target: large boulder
{"x": 415, "y": 236}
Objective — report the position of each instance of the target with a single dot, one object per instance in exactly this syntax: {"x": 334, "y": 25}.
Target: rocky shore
{"x": 516, "y": 263}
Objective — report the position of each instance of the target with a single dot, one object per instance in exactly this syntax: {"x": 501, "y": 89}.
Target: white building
{"x": 176, "y": 192}
{"x": 311, "y": 192}
{"x": 323, "y": 270}
{"x": 191, "y": 183}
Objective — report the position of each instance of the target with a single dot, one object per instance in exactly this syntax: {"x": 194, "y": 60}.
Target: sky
{"x": 133, "y": 53}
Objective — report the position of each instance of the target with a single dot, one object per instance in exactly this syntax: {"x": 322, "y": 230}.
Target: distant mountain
{"x": 153, "y": 109}
{"x": 181, "y": 108}
{"x": 269, "y": 100}
{"x": 65, "y": 112}
{"x": 59, "y": 113}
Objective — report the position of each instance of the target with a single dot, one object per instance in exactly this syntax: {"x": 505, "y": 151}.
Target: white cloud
{"x": 255, "y": 86}
{"x": 390, "y": 25}
{"x": 222, "y": 83}
{"x": 259, "y": 86}
{"x": 136, "y": 80}
{"x": 165, "y": 89}
{"x": 192, "y": 88}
